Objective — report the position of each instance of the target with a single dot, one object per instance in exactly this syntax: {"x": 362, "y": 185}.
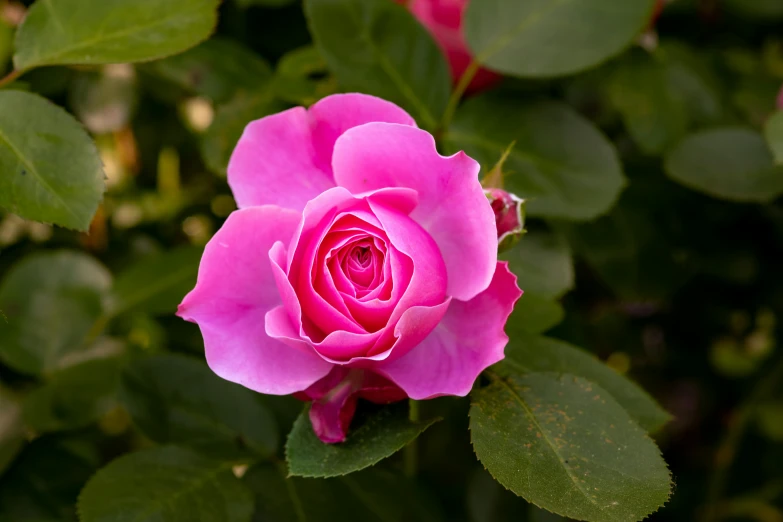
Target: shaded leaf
{"x": 564, "y": 444}
{"x": 534, "y": 313}
{"x": 12, "y": 432}
{"x": 174, "y": 399}
{"x": 111, "y": 31}
{"x": 560, "y": 162}
{"x": 542, "y": 38}
{"x": 372, "y": 494}
{"x": 376, "y": 46}
{"x": 156, "y": 285}
{"x": 75, "y": 396}
{"x": 527, "y": 353}
{"x": 218, "y": 69}
{"x": 727, "y": 163}
{"x": 542, "y": 263}
{"x": 44, "y": 482}
{"x": 372, "y": 439}
{"x": 166, "y": 483}
{"x": 61, "y": 290}
{"x": 49, "y": 167}
{"x": 773, "y": 132}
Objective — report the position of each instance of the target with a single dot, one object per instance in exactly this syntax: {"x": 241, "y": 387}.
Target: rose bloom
{"x": 360, "y": 264}
{"x": 443, "y": 19}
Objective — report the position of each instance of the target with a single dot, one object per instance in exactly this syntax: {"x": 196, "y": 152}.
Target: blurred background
{"x": 677, "y": 286}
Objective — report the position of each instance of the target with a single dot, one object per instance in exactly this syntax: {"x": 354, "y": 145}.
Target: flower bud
{"x": 509, "y": 216}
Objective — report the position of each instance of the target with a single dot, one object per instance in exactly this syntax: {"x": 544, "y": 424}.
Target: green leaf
{"x": 166, "y": 484}
{"x": 156, "y": 285}
{"x": 6, "y": 44}
{"x": 560, "y": 162}
{"x": 230, "y": 121}
{"x": 527, "y": 353}
{"x": 773, "y": 132}
{"x": 565, "y": 445}
{"x": 50, "y": 302}
{"x": 378, "y": 436}
{"x": 297, "y": 79}
{"x": 74, "y": 397}
{"x": 534, "y": 313}
{"x": 763, "y": 10}
{"x": 371, "y": 494}
{"x": 542, "y": 263}
{"x": 12, "y": 432}
{"x": 178, "y": 400}
{"x": 655, "y": 116}
{"x": 110, "y": 31}
{"x": 660, "y": 96}
{"x": 727, "y": 163}
{"x": 376, "y": 46}
{"x": 543, "y": 38}
{"x": 218, "y": 69}
{"x": 49, "y": 167}
{"x": 43, "y": 483}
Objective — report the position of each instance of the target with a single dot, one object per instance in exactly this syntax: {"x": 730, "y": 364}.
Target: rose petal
{"x": 452, "y": 206}
{"x": 235, "y": 290}
{"x": 469, "y": 339}
{"x": 285, "y": 159}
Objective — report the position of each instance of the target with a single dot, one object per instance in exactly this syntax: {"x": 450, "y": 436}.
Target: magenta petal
{"x": 285, "y": 159}
{"x": 333, "y": 115}
{"x": 275, "y": 163}
{"x": 452, "y": 206}
{"x": 469, "y": 339}
{"x": 235, "y": 290}
{"x": 331, "y": 415}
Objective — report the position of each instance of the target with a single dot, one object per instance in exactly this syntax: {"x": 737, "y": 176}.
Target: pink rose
{"x": 443, "y": 19}
{"x": 360, "y": 264}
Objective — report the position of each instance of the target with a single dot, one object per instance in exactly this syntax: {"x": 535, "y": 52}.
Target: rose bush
{"x": 361, "y": 263}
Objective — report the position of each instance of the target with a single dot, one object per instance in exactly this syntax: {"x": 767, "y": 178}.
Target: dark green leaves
{"x": 111, "y": 31}
{"x": 61, "y": 290}
{"x": 370, "y": 495}
{"x": 49, "y": 169}
{"x": 174, "y": 399}
{"x": 156, "y": 285}
{"x": 168, "y": 484}
{"x": 371, "y": 440}
{"x": 75, "y": 396}
{"x": 574, "y": 451}
{"x": 542, "y": 263}
{"x": 375, "y": 46}
{"x": 560, "y": 163}
{"x": 217, "y": 69}
{"x": 540, "y": 38}
{"x": 530, "y": 353}
{"x": 12, "y": 436}
{"x": 773, "y": 132}
{"x": 727, "y": 163}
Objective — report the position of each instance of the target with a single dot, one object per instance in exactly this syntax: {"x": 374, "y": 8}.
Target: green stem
{"x": 10, "y": 77}
{"x": 459, "y": 91}
{"x": 727, "y": 449}
{"x": 412, "y": 449}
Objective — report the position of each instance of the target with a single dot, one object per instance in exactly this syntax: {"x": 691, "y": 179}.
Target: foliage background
{"x": 675, "y": 283}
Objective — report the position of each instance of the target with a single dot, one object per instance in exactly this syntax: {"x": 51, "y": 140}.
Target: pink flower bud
{"x": 509, "y": 216}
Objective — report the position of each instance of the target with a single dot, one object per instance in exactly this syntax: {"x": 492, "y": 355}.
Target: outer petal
{"x": 285, "y": 159}
{"x": 235, "y": 290}
{"x": 468, "y": 339}
{"x": 452, "y": 205}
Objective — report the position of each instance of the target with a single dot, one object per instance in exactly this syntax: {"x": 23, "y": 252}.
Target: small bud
{"x": 509, "y": 216}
